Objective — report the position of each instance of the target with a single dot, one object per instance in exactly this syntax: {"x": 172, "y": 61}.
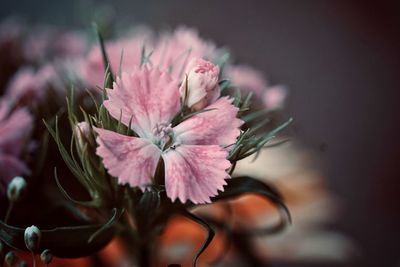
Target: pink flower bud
{"x": 83, "y": 134}
{"x": 200, "y": 86}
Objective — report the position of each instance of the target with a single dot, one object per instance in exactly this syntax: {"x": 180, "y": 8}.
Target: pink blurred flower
{"x": 274, "y": 97}
{"x": 170, "y": 52}
{"x": 174, "y": 50}
{"x": 248, "y": 79}
{"x": 192, "y": 151}
{"x": 92, "y": 67}
{"x": 15, "y": 128}
{"x": 200, "y": 84}
{"x": 30, "y": 87}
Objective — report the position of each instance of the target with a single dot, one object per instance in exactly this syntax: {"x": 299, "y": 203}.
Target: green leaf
{"x": 224, "y": 85}
{"x": 107, "y": 66}
{"x": 240, "y": 186}
{"x": 254, "y": 115}
{"x": 67, "y": 196}
{"x": 120, "y": 63}
{"x": 64, "y": 242}
{"x": 210, "y": 234}
{"x": 116, "y": 215}
{"x": 76, "y": 170}
{"x": 222, "y": 61}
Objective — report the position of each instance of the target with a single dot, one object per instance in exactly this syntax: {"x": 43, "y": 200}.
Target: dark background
{"x": 341, "y": 60}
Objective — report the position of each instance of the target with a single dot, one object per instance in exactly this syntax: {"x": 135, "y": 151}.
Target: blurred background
{"x": 341, "y": 62}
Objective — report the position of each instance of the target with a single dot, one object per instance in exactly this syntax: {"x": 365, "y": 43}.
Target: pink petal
{"x": 215, "y": 127}
{"x": 5, "y": 108}
{"x": 174, "y": 50}
{"x": 148, "y": 96}
{"x": 195, "y": 173}
{"x": 274, "y": 97}
{"x": 247, "y": 79}
{"x": 132, "y": 160}
{"x": 10, "y": 167}
{"x": 30, "y": 87}
{"x": 14, "y": 131}
{"x": 92, "y": 67}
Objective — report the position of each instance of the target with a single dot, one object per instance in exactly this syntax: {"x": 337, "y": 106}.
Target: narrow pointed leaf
{"x": 210, "y": 234}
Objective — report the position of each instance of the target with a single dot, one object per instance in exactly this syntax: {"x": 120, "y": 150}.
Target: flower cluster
{"x": 154, "y": 126}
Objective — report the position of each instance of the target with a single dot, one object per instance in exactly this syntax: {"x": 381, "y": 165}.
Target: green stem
{"x": 8, "y": 213}
{"x": 33, "y": 258}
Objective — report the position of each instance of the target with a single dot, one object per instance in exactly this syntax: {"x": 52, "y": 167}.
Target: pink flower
{"x": 92, "y": 67}
{"x": 30, "y": 87}
{"x": 193, "y": 153}
{"x": 15, "y": 128}
{"x": 173, "y": 51}
{"x": 200, "y": 84}
{"x": 274, "y": 97}
{"x": 170, "y": 52}
{"x": 249, "y": 79}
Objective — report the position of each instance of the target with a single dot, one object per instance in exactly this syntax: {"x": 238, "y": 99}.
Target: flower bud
{"x": 83, "y": 134}
{"x": 32, "y": 237}
{"x": 16, "y": 188}
{"x": 11, "y": 258}
{"x": 46, "y": 256}
{"x": 200, "y": 86}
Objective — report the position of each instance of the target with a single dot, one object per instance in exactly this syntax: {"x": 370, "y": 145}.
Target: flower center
{"x": 163, "y": 135}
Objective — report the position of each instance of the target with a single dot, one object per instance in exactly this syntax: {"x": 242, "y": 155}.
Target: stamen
{"x": 163, "y": 134}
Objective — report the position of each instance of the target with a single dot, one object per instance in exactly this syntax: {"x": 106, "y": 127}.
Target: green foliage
{"x": 210, "y": 234}
{"x": 64, "y": 242}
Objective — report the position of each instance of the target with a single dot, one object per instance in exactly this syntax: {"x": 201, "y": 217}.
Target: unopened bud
{"x": 83, "y": 134}
{"x": 46, "y": 256}
{"x": 32, "y": 237}
{"x": 11, "y": 258}
{"x": 16, "y": 188}
{"x": 200, "y": 86}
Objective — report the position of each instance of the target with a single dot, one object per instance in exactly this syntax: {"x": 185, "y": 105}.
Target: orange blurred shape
{"x": 182, "y": 239}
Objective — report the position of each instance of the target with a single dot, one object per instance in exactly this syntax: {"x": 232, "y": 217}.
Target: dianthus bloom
{"x": 124, "y": 53}
{"x": 31, "y": 87}
{"x": 248, "y": 79}
{"x": 169, "y": 52}
{"x": 193, "y": 152}
{"x": 173, "y": 51}
{"x": 15, "y": 128}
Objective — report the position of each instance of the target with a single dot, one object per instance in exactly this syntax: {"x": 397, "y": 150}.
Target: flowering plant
{"x": 160, "y": 138}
